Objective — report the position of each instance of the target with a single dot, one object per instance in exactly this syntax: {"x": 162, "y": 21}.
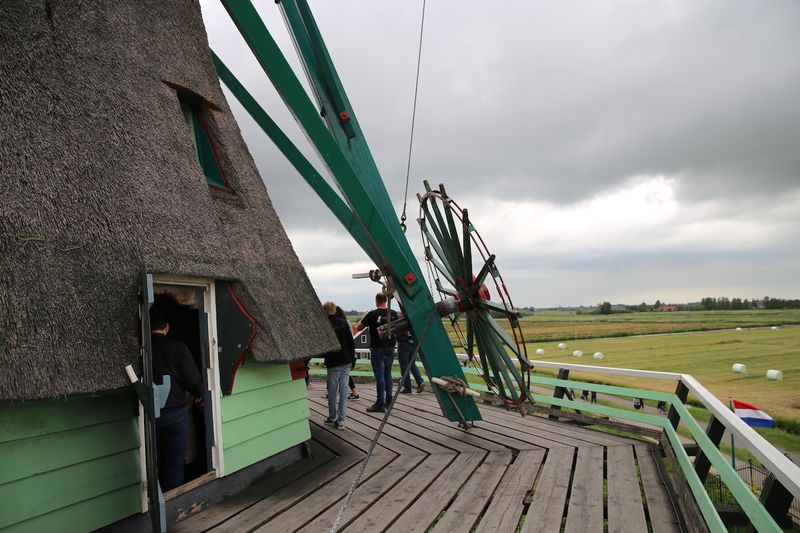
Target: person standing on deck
{"x": 381, "y": 350}
{"x": 406, "y": 343}
{"x": 172, "y": 358}
{"x": 338, "y": 364}
{"x": 353, "y": 391}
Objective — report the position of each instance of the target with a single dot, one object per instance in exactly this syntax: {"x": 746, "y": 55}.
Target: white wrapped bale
{"x": 738, "y": 329}
{"x": 775, "y": 375}
{"x": 577, "y": 353}
{"x": 774, "y": 328}
{"x": 561, "y": 346}
{"x": 739, "y": 368}
{"x": 539, "y": 351}
{"x": 598, "y": 355}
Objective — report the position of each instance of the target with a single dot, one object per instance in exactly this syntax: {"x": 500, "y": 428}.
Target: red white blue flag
{"x": 752, "y": 415}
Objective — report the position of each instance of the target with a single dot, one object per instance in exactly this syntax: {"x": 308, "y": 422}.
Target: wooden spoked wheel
{"x": 452, "y": 249}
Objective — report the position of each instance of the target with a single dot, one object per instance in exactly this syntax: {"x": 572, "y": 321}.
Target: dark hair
{"x": 381, "y": 298}
{"x": 157, "y": 319}
{"x": 340, "y": 313}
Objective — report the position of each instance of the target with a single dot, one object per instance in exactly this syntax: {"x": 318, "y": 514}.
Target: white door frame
{"x": 210, "y": 307}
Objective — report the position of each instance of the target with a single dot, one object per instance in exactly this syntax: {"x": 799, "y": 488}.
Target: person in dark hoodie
{"x": 172, "y": 358}
{"x": 339, "y": 363}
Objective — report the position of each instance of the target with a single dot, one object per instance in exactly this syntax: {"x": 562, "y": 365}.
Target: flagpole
{"x": 733, "y": 450}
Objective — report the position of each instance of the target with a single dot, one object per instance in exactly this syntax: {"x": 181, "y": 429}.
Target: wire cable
{"x": 413, "y": 118}
{"x": 378, "y": 433}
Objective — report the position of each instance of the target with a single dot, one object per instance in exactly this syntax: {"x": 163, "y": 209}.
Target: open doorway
{"x": 186, "y": 306}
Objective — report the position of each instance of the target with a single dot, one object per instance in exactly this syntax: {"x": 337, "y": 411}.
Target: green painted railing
{"x": 786, "y": 472}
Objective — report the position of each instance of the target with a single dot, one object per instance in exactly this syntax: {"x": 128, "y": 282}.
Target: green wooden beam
{"x": 364, "y": 192}
{"x": 326, "y": 193}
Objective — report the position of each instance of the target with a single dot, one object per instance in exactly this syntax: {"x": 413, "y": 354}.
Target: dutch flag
{"x": 752, "y": 415}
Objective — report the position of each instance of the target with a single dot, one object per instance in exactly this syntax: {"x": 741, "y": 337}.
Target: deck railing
{"x": 761, "y": 512}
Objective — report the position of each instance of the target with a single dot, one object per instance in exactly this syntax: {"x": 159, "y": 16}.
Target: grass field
{"x": 561, "y": 325}
{"x": 707, "y": 353}
{"x": 708, "y": 356}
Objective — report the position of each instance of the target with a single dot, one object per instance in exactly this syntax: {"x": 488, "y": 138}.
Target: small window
{"x": 204, "y": 146}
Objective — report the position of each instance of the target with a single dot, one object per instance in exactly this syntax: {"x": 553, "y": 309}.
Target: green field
{"x": 563, "y": 325}
{"x": 706, "y": 354}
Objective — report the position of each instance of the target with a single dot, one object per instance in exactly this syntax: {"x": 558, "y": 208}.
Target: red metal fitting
{"x": 344, "y": 115}
{"x": 410, "y": 278}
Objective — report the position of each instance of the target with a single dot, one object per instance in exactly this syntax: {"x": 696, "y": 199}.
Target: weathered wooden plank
{"x": 401, "y": 433}
{"x": 536, "y": 430}
{"x": 364, "y": 496}
{"x": 625, "y": 510}
{"x": 433, "y": 500}
{"x": 394, "y": 503}
{"x": 356, "y": 433}
{"x": 326, "y": 498}
{"x": 547, "y": 508}
{"x": 475, "y": 494}
{"x": 536, "y": 423}
{"x": 217, "y": 514}
{"x": 452, "y": 438}
{"x": 505, "y": 509}
{"x": 498, "y": 433}
{"x": 585, "y": 512}
{"x": 662, "y": 518}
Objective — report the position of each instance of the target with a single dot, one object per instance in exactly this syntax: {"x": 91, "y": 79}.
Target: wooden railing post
{"x": 682, "y": 392}
{"x": 714, "y": 432}
{"x": 558, "y": 392}
{"x": 775, "y": 499}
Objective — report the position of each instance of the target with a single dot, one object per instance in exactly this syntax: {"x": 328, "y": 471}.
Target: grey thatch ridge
{"x": 99, "y": 177}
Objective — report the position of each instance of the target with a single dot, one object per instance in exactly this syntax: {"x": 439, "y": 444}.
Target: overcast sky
{"x": 620, "y": 151}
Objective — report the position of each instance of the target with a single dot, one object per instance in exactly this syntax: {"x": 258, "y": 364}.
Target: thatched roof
{"x": 99, "y": 177}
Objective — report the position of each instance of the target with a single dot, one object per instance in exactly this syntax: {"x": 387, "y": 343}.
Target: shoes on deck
{"x": 339, "y": 424}
{"x": 353, "y": 396}
{"x": 421, "y": 387}
{"x": 330, "y": 421}
{"x": 405, "y": 391}
{"x": 376, "y": 408}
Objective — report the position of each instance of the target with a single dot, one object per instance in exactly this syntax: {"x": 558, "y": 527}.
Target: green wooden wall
{"x": 266, "y": 413}
{"x": 68, "y": 465}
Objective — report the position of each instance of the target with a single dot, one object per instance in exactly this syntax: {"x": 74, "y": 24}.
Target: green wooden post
{"x": 354, "y": 171}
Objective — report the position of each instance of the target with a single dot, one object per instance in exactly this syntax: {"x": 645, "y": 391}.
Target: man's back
{"x": 374, "y": 319}
{"x": 172, "y": 357}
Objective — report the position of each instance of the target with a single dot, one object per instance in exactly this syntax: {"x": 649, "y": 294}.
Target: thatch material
{"x": 99, "y": 177}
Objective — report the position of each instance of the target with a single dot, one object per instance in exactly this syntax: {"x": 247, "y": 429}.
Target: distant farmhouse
{"x": 125, "y": 176}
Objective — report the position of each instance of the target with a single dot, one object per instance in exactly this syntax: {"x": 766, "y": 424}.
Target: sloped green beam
{"x": 303, "y": 166}
{"x": 332, "y": 98}
{"x": 386, "y": 242}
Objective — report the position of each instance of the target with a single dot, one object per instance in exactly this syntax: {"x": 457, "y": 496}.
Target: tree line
{"x": 705, "y": 304}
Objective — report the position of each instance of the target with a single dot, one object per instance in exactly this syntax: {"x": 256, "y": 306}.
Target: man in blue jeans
{"x": 381, "y": 350}
{"x": 406, "y": 344}
{"x": 339, "y": 363}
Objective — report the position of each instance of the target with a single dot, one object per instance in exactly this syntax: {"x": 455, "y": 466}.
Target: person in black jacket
{"x": 172, "y": 358}
{"x": 381, "y": 350}
{"x": 339, "y": 363}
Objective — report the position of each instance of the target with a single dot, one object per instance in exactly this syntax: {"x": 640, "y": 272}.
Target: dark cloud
{"x": 553, "y": 102}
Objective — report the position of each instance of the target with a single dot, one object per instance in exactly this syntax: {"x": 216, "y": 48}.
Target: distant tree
{"x": 736, "y": 303}
{"x": 604, "y": 308}
{"x": 708, "y": 303}
{"x": 723, "y": 303}
{"x": 657, "y": 304}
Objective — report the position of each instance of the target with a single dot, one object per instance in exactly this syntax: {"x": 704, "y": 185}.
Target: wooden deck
{"x": 426, "y": 474}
